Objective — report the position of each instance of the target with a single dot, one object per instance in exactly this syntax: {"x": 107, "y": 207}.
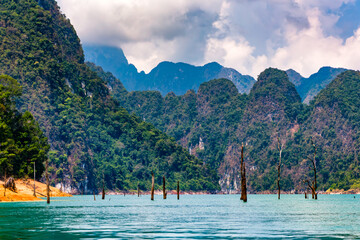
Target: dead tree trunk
{"x": 313, "y": 194}
{"x": 34, "y": 180}
{"x": 164, "y": 188}
{"x": 47, "y": 182}
{"x": 152, "y": 186}
{"x": 243, "y": 176}
{"x": 103, "y": 193}
{"x": 178, "y": 190}
{"x": 5, "y": 184}
{"x": 138, "y": 190}
{"x": 314, "y": 183}
{"x": 280, "y": 148}
{"x": 94, "y": 195}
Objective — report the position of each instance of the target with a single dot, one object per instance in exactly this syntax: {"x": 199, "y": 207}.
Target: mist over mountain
{"x": 166, "y": 76}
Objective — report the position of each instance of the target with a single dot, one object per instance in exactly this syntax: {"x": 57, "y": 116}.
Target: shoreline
{"x": 25, "y": 188}
{"x": 25, "y": 192}
{"x": 173, "y": 192}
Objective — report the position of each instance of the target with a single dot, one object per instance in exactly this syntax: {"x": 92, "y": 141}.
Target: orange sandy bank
{"x": 25, "y": 191}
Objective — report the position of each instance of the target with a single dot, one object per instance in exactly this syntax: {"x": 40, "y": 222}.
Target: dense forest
{"x": 195, "y": 138}
{"x": 92, "y": 140}
{"x": 272, "y": 111}
{"x": 22, "y": 143}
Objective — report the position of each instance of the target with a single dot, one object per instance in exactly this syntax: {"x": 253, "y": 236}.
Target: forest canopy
{"x": 22, "y": 143}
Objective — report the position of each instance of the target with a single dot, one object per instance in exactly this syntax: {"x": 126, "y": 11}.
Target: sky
{"x": 247, "y": 35}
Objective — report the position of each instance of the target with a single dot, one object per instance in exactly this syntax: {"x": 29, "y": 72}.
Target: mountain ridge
{"x": 309, "y": 87}
{"x": 213, "y": 123}
{"x": 166, "y": 76}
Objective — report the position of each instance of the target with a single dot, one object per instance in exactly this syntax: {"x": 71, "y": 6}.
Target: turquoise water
{"x": 191, "y": 217}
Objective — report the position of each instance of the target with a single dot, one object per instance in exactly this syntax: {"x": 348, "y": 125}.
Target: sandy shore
{"x": 25, "y": 191}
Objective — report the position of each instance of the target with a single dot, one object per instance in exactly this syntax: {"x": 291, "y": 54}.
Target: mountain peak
{"x": 274, "y": 83}
{"x": 166, "y": 76}
{"x": 294, "y": 77}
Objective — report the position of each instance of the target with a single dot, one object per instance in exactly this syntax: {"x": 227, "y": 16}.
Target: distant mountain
{"x": 309, "y": 87}
{"x": 113, "y": 60}
{"x": 166, "y": 76}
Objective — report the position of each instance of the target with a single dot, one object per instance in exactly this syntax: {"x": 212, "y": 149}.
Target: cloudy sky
{"x": 248, "y": 35}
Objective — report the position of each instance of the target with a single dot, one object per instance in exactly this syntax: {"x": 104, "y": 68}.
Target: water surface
{"x": 191, "y": 217}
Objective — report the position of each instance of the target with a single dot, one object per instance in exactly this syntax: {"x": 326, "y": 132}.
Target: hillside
{"x": 210, "y": 123}
{"x": 166, "y": 77}
{"x": 334, "y": 122}
{"x": 223, "y": 119}
{"x": 93, "y": 141}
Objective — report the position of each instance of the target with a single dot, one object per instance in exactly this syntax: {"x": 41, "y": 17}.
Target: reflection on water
{"x": 191, "y": 217}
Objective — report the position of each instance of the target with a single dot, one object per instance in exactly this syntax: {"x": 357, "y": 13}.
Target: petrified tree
{"x": 243, "y": 176}
{"x": 47, "y": 181}
{"x": 280, "y": 148}
{"x": 5, "y": 184}
{"x": 103, "y": 188}
{"x": 313, "y": 185}
{"x": 152, "y": 185}
{"x": 34, "y": 180}
{"x": 103, "y": 193}
{"x": 178, "y": 190}
{"x": 164, "y": 188}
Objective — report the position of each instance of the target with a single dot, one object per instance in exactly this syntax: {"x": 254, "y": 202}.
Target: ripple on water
{"x": 192, "y": 217}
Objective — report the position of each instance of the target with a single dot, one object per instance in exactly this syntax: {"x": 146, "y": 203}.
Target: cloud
{"x": 248, "y": 35}
{"x": 148, "y": 31}
{"x": 296, "y": 35}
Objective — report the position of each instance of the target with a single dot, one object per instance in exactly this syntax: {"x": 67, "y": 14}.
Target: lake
{"x": 191, "y": 217}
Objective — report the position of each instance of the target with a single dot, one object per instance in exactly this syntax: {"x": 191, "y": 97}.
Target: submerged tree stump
{"x": 47, "y": 182}
{"x": 178, "y": 190}
{"x": 280, "y": 148}
{"x": 152, "y": 186}
{"x": 243, "y": 176}
{"x": 164, "y": 188}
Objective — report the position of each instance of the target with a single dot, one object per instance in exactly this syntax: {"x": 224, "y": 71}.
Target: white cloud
{"x": 248, "y": 35}
{"x": 148, "y": 31}
{"x": 309, "y": 49}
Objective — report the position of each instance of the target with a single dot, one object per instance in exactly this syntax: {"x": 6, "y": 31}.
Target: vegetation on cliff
{"x": 224, "y": 119}
{"x": 93, "y": 140}
{"x": 22, "y": 143}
